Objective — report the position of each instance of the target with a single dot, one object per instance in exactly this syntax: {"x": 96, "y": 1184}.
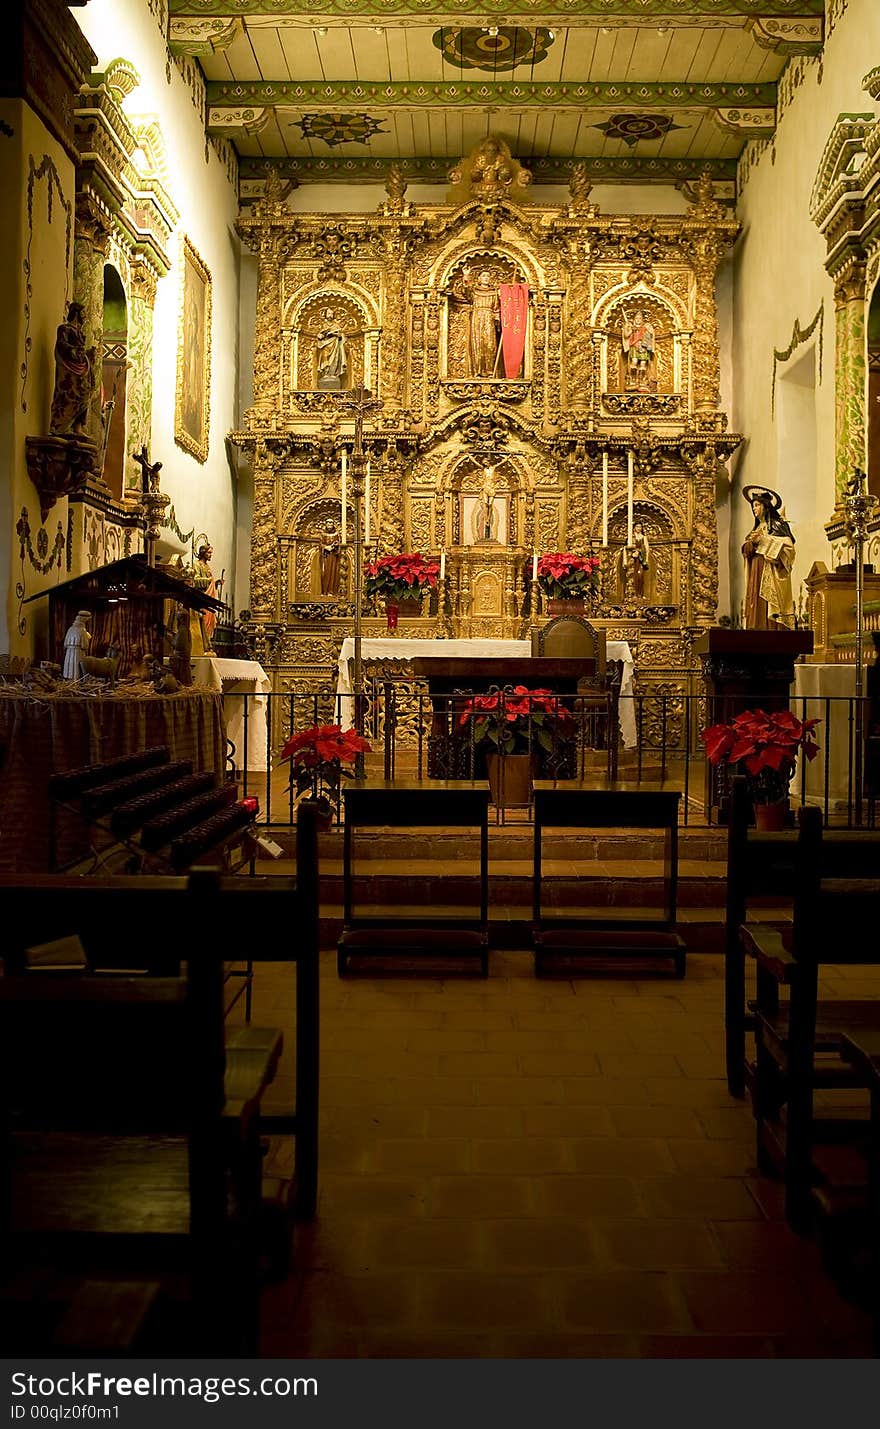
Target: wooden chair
{"x": 596, "y": 706}
{"x": 798, "y": 1039}
{"x": 601, "y": 937}
{"x": 407, "y": 942}
{"x": 759, "y": 865}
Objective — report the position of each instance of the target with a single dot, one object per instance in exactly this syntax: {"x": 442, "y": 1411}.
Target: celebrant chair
{"x": 598, "y": 697}
{"x": 414, "y": 940}
{"x": 798, "y": 1038}
{"x": 601, "y": 940}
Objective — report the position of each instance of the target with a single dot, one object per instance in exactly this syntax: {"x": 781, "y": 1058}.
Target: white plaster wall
{"x": 780, "y": 277}
{"x": 366, "y": 198}
{"x": 203, "y": 494}
{"x": 27, "y": 400}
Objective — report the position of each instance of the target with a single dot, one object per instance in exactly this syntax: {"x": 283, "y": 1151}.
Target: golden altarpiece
{"x": 619, "y": 355}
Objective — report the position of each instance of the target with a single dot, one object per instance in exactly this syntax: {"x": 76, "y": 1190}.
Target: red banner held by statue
{"x": 514, "y": 317}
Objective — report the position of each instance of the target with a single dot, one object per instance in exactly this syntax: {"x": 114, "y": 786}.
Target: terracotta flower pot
{"x": 408, "y": 606}
{"x": 771, "y": 818}
{"x": 510, "y": 779}
{"x": 568, "y": 605}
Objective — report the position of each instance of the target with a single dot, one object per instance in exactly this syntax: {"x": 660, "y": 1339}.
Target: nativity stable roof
{"x": 132, "y": 579}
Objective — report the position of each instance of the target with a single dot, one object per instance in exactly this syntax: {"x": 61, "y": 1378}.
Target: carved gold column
{"x": 393, "y": 355}
{"x": 580, "y": 471}
{"x": 554, "y": 355}
{"x": 264, "y": 543}
{"x": 390, "y": 524}
{"x": 267, "y": 332}
{"x": 705, "y": 251}
{"x": 91, "y": 245}
{"x": 849, "y": 376}
{"x": 139, "y": 386}
{"x": 704, "y": 551}
{"x": 578, "y": 347}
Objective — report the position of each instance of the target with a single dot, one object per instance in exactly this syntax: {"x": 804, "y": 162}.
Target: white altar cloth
{"x": 403, "y": 649}
{"x": 237, "y": 678}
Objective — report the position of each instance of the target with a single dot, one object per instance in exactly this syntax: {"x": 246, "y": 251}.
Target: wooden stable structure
{"x": 132, "y": 606}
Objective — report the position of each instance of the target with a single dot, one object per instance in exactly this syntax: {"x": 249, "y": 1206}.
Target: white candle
{"x": 442, "y": 565}
{"x": 629, "y": 498}
{"x": 344, "y": 492}
{"x": 604, "y": 498}
{"x": 535, "y": 566}
{"x": 367, "y": 507}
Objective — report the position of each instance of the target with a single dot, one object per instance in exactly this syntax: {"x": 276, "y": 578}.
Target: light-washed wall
{"x": 203, "y": 494}
{"x": 780, "y": 278}
{"x": 30, "y": 158}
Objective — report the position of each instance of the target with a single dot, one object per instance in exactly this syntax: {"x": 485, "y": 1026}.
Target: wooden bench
{"x": 410, "y": 943}
{"x": 602, "y": 940}
{"x": 798, "y": 1038}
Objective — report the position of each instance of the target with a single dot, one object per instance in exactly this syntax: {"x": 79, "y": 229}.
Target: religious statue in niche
{"x": 489, "y": 172}
{"x": 634, "y": 567}
{"x": 328, "y": 558}
{"x": 495, "y": 316}
{"x": 331, "y": 356}
{"x": 203, "y": 579}
{"x": 74, "y": 364}
{"x": 769, "y": 556}
{"x": 638, "y": 347}
{"x": 487, "y": 503}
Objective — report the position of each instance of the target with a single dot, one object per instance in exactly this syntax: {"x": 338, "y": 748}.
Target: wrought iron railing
{"x": 417, "y": 736}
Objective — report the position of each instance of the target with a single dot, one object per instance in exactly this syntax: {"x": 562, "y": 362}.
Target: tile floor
{"x": 521, "y": 1169}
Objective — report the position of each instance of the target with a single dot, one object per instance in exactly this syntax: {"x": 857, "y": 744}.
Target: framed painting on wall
{"x": 192, "y": 402}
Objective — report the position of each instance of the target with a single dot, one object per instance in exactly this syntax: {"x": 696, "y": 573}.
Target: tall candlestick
{"x": 604, "y": 498}
{"x": 367, "y": 507}
{"x": 629, "y": 498}
{"x": 442, "y": 565}
{"x": 535, "y": 566}
{"x": 344, "y": 493}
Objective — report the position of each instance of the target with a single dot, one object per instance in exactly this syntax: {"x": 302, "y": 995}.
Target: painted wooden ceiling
{"x": 641, "y": 89}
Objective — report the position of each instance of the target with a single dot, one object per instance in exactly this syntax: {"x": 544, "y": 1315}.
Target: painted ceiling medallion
{"x": 632, "y": 128}
{"x": 507, "y": 47}
{"x": 338, "y": 128}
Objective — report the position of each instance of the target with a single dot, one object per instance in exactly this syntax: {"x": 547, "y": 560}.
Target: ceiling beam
{"x": 433, "y": 170}
{"x": 479, "y": 94}
{"x": 459, "y": 12}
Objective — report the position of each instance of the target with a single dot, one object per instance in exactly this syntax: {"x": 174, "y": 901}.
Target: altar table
{"x": 237, "y": 678}
{"x": 402, "y": 649}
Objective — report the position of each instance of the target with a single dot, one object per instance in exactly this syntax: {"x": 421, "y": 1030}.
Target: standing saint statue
{"x": 203, "y": 579}
{"x": 329, "y": 558}
{"x": 76, "y": 643}
{"x": 638, "y": 343}
{"x": 634, "y": 566}
{"x": 481, "y": 295}
{"x": 73, "y": 375}
{"x": 769, "y": 556}
{"x": 330, "y": 350}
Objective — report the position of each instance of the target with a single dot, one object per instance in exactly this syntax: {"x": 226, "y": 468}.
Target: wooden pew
{"x": 836, "y": 917}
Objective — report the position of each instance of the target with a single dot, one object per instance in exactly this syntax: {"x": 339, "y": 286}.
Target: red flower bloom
{"x": 515, "y": 719}
{"x": 759, "y": 740}
{"x": 317, "y": 756}
{"x": 397, "y": 577}
{"x": 563, "y": 575}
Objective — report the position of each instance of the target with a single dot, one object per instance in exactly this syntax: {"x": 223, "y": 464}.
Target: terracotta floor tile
{"x": 657, "y": 1244}
{"x": 571, "y": 1345}
{"x": 575, "y": 1196}
{"x": 529, "y": 1155}
{"x": 566, "y": 1120}
{"x": 441, "y": 1244}
{"x": 620, "y": 1156}
{"x": 668, "y": 1122}
{"x": 481, "y": 1301}
{"x": 633, "y": 1303}
{"x": 413, "y": 1157}
{"x": 683, "y": 1197}
{"x": 481, "y": 1196}
{"x": 732, "y": 1302}
{"x": 516, "y": 1245}
{"x": 478, "y": 1121}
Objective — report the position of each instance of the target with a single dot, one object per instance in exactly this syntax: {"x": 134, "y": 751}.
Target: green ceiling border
{"x": 625, "y": 169}
{"x": 465, "y": 9}
{"x": 457, "y": 93}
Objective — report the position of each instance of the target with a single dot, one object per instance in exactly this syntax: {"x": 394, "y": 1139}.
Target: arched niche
{"x": 114, "y": 368}
{"x": 330, "y": 330}
{"x": 314, "y": 571}
{"x": 642, "y": 345}
{"x": 873, "y": 327}
{"x": 464, "y": 484}
{"x": 621, "y": 583}
{"x": 472, "y": 349}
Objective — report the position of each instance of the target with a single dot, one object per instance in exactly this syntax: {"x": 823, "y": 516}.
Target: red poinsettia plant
{"x": 565, "y": 576}
{"x": 766, "y": 745}
{"x": 516, "y": 719}
{"x": 319, "y": 757}
{"x": 396, "y": 577}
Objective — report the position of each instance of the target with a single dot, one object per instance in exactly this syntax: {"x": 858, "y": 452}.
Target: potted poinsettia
{"x": 568, "y": 581}
{"x": 320, "y": 758}
{"x": 766, "y": 746}
{"x": 401, "y": 580}
{"x": 512, "y": 724}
